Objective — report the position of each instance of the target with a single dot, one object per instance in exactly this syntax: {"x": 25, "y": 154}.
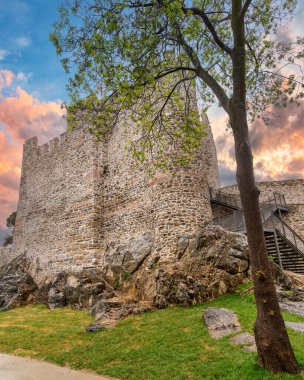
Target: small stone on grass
{"x": 296, "y": 326}
{"x": 221, "y": 322}
{"x": 251, "y": 348}
{"x": 96, "y": 326}
{"x": 243, "y": 338}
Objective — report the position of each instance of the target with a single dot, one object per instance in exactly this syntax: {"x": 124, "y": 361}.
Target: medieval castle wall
{"x": 57, "y": 209}
{"x": 82, "y": 202}
{"x": 81, "y": 199}
{"x": 293, "y": 191}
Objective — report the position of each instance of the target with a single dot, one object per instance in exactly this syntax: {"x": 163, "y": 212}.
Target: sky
{"x": 32, "y": 89}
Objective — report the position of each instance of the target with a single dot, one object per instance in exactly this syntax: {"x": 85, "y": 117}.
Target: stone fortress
{"x": 89, "y": 206}
{"x": 81, "y": 200}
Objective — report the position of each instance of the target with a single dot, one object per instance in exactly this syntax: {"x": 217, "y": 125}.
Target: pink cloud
{"x": 21, "y": 117}
{"x": 277, "y": 147}
{"x": 285, "y": 127}
{"x": 6, "y": 78}
{"x": 24, "y": 116}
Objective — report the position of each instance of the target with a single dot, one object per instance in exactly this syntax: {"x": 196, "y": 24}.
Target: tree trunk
{"x": 274, "y": 349}
{"x": 273, "y": 345}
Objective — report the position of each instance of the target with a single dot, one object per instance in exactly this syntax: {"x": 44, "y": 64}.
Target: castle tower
{"x": 85, "y": 203}
{"x": 57, "y": 223}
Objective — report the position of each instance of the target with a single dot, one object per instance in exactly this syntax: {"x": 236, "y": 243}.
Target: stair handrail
{"x": 293, "y": 231}
{"x": 298, "y": 241}
{"x": 234, "y": 200}
{"x": 288, "y": 240}
{"x": 221, "y": 196}
{"x": 266, "y": 212}
{"x": 230, "y": 221}
{"x": 277, "y": 200}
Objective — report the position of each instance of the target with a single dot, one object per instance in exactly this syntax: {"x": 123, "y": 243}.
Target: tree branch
{"x": 202, "y": 73}
{"x": 173, "y": 89}
{"x": 170, "y": 71}
{"x": 158, "y": 116}
{"x": 141, "y": 5}
{"x": 252, "y": 52}
{"x": 210, "y": 26}
{"x": 245, "y": 8}
{"x": 218, "y": 21}
{"x": 283, "y": 76}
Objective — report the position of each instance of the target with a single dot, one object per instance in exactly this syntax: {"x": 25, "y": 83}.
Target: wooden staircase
{"x": 284, "y": 246}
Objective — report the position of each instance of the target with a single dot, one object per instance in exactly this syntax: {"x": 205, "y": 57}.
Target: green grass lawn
{"x": 170, "y": 344}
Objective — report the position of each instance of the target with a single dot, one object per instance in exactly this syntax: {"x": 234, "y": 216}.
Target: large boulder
{"x": 17, "y": 286}
{"x": 221, "y": 248}
{"x": 79, "y": 290}
{"x": 56, "y": 295}
{"x": 188, "y": 287}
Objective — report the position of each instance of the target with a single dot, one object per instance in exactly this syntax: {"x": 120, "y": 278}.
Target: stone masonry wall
{"x": 293, "y": 189}
{"x": 162, "y": 208}
{"x": 57, "y": 212}
{"x": 294, "y": 194}
{"x": 80, "y": 201}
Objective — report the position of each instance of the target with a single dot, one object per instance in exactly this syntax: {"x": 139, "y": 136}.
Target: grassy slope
{"x": 166, "y": 344}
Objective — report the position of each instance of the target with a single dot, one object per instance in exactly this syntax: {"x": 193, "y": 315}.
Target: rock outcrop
{"x": 79, "y": 290}
{"x": 133, "y": 280}
{"x": 208, "y": 265}
{"x": 17, "y": 286}
{"x": 291, "y": 298}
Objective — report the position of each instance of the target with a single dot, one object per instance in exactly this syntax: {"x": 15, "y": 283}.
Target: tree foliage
{"x": 124, "y": 45}
{"x": 8, "y": 239}
{"x": 11, "y": 220}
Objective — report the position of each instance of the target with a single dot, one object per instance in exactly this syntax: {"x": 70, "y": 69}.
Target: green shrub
{"x": 7, "y": 240}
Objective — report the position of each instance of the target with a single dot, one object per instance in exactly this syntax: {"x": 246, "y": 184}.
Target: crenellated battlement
{"x": 53, "y": 144}
{"x": 32, "y": 145}
{"x": 44, "y": 148}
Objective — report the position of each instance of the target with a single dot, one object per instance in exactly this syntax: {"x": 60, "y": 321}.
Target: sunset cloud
{"x": 22, "y": 116}
{"x": 278, "y": 148}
